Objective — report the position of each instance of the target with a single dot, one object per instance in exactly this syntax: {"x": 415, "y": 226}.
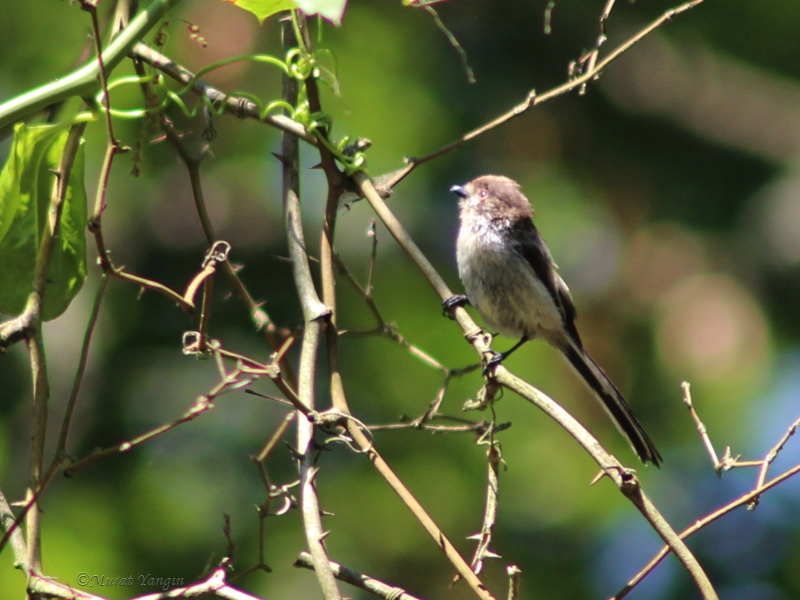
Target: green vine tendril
{"x": 299, "y": 64}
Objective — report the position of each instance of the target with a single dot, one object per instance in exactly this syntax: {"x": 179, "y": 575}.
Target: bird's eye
{"x": 482, "y": 194}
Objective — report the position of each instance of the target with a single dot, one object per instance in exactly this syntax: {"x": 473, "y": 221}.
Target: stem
{"x": 314, "y": 314}
{"x": 84, "y": 81}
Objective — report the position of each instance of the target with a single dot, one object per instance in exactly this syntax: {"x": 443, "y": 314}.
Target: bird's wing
{"x": 529, "y": 244}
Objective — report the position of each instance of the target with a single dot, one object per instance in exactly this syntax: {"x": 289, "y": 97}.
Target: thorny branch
{"x": 745, "y": 500}
{"x": 728, "y": 461}
{"x": 192, "y": 162}
{"x": 318, "y": 314}
{"x": 359, "y": 580}
{"x": 339, "y": 399}
{"x": 493, "y": 461}
{"x": 591, "y": 72}
{"x": 315, "y": 315}
{"x": 621, "y": 477}
{"x": 238, "y": 106}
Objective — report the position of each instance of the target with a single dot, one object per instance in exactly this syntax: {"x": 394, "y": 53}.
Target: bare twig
{"x": 381, "y": 326}
{"x": 534, "y": 99}
{"x": 701, "y": 428}
{"x": 484, "y": 537}
{"x": 315, "y": 313}
{"x": 771, "y": 456}
{"x": 335, "y": 183}
{"x": 238, "y": 106}
{"x": 514, "y": 581}
{"x": 91, "y": 8}
{"x": 201, "y": 405}
{"x": 16, "y": 538}
{"x": 479, "y": 427}
{"x": 41, "y": 397}
{"x": 276, "y": 437}
{"x": 40, "y": 586}
{"x": 728, "y": 461}
{"x": 359, "y": 580}
{"x": 81, "y": 369}
{"x": 624, "y": 479}
{"x": 588, "y": 62}
{"x": 406, "y": 243}
{"x": 701, "y": 523}
{"x": 241, "y": 376}
{"x": 104, "y": 255}
{"x": 373, "y": 258}
{"x": 259, "y": 315}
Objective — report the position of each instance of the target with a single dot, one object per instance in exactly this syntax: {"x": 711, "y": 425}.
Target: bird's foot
{"x": 491, "y": 359}
{"x": 453, "y": 302}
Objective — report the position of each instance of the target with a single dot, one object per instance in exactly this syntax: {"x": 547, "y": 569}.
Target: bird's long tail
{"x": 613, "y": 402}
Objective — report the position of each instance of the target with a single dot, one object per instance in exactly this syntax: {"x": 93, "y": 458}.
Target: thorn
{"x": 597, "y": 477}
{"x": 294, "y": 452}
{"x": 281, "y": 158}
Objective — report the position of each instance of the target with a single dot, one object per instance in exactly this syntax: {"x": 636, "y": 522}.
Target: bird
{"x": 511, "y": 281}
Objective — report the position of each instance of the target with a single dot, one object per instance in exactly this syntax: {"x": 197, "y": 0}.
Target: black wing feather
{"x": 529, "y": 244}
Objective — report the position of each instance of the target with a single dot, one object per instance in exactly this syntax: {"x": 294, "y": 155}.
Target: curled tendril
{"x": 260, "y": 58}
{"x": 133, "y": 113}
{"x": 168, "y": 95}
{"x": 350, "y": 161}
{"x": 319, "y": 124}
{"x": 264, "y": 110}
{"x": 299, "y": 63}
{"x": 317, "y": 121}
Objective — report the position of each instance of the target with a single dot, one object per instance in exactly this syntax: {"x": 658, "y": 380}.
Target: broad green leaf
{"x": 333, "y": 10}
{"x": 263, "y": 9}
{"x": 26, "y": 184}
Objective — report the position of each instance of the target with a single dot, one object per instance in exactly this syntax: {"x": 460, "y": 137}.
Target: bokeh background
{"x": 668, "y": 194}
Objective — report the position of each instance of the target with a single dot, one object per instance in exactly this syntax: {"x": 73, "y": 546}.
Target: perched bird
{"x": 511, "y": 280}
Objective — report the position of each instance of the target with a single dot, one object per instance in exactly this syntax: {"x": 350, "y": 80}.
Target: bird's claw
{"x": 490, "y": 360}
{"x": 453, "y": 302}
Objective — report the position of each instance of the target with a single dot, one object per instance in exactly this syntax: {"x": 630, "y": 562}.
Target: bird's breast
{"x": 503, "y": 287}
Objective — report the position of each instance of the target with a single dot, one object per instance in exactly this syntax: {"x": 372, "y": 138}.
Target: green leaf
{"x": 333, "y": 10}
{"x": 263, "y": 9}
{"x": 26, "y": 184}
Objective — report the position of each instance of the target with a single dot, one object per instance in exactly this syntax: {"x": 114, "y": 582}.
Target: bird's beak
{"x": 459, "y": 191}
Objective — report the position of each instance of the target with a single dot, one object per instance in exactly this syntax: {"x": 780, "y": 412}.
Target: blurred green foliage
{"x": 26, "y": 187}
{"x": 668, "y": 194}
